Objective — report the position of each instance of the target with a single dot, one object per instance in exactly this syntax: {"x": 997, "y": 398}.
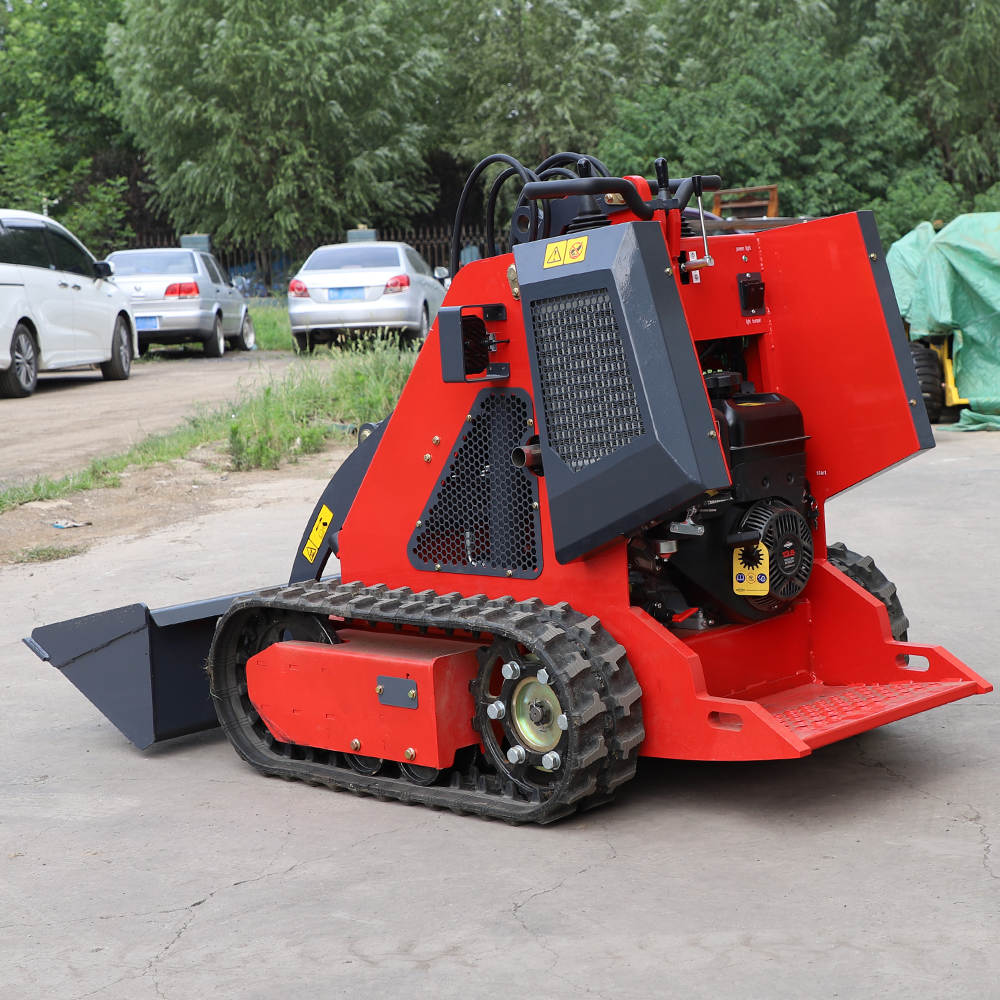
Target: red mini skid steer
{"x": 592, "y": 529}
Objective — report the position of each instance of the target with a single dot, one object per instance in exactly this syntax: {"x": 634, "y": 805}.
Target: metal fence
{"x": 266, "y": 271}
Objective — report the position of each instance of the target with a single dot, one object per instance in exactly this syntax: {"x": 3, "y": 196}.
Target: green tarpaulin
{"x": 949, "y": 282}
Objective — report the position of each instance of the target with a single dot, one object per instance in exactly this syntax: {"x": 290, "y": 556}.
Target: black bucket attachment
{"x": 145, "y": 670}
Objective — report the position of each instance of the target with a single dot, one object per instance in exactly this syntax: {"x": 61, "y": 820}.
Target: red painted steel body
{"x": 825, "y": 669}
{"x": 319, "y": 695}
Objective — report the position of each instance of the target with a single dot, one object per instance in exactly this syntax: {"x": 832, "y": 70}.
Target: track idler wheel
{"x": 533, "y": 719}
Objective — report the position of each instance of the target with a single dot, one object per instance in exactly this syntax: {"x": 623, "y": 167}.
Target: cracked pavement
{"x": 867, "y": 869}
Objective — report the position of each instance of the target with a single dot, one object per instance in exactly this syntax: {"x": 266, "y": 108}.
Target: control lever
{"x": 697, "y": 263}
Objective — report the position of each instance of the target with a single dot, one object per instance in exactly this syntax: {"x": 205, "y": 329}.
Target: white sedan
{"x": 57, "y": 307}
{"x": 345, "y": 287}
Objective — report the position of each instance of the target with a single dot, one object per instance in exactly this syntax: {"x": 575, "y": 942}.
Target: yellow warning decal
{"x": 555, "y": 254}
{"x": 576, "y": 249}
{"x": 318, "y": 533}
{"x": 566, "y": 251}
{"x": 751, "y": 571}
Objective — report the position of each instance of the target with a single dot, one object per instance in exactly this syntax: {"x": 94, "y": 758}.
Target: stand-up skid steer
{"x": 591, "y": 529}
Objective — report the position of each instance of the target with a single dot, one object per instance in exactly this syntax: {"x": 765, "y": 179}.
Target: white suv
{"x": 57, "y": 307}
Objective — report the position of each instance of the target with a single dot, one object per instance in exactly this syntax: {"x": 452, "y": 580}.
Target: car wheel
{"x": 247, "y": 338}
{"x": 22, "y": 376}
{"x": 425, "y": 324}
{"x": 215, "y": 346}
{"x": 120, "y": 365}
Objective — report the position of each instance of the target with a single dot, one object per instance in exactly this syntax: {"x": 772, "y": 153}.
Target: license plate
{"x": 342, "y": 294}
{"x": 147, "y": 322}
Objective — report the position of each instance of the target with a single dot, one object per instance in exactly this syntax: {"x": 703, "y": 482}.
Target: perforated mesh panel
{"x": 590, "y": 402}
{"x": 483, "y": 516}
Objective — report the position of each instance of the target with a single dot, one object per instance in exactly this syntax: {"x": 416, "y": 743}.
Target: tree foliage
{"x": 946, "y": 55}
{"x": 282, "y": 122}
{"x": 778, "y": 112}
{"x": 540, "y": 76}
{"x": 62, "y": 148}
{"x": 276, "y": 121}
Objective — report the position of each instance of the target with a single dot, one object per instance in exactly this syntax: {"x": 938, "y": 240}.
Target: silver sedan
{"x": 180, "y": 295}
{"x": 345, "y": 287}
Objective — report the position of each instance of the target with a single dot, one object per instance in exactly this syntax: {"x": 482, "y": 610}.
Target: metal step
{"x": 823, "y": 713}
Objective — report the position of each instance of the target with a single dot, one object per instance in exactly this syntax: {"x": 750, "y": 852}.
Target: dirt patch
{"x": 74, "y": 417}
{"x": 156, "y": 497}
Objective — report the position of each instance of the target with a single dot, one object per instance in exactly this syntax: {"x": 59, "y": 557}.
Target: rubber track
{"x": 605, "y": 711}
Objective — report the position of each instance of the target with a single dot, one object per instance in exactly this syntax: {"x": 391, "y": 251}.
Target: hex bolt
{"x": 562, "y": 722}
{"x": 427, "y": 458}
{"x": 516, "y": 754}
{"x": 511, "y": 670}
{"x": 420, "y": 524}
{"x": 355, "y": 744}
{"x": 534, "y": 505}
{"x": 496, "y": 710}
{"x": 551, "y": 761}
{"x": 510, "y": 572}
{"x": 412, "y": 694}
{"x": 437, "y": 567}
{"x": 379, "y": 689}
{"x": 409, "y": 753}
{"x": 435, "y": 440}
{"x": 543, "y": 676}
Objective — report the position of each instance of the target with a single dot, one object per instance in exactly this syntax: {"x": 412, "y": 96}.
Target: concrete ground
{"x": 867, "y": 869}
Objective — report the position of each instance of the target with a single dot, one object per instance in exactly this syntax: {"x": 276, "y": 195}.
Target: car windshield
{"x": 343, "y": 258}
{"x": 154, "y": 262}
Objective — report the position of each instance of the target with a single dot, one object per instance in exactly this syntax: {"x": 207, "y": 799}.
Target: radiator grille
{"x": 590, "y": 402}
{"x": 483, "y": 515}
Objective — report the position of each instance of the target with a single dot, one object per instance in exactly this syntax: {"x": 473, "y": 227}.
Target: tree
{"x": 277, "y": 122}
{"x": 778, "y": 112}
{"x": 542, "y": 76}
{"x": 61, "y": 147}
{"x": 945, "y": 54}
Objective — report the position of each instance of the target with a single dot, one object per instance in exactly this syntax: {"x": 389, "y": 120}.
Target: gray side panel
{"x": 900, "y": 344}
{"x": 625, "y": 427}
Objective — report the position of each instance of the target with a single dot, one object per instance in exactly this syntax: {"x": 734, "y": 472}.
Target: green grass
{"x": 330, "y": 393}
{"x": 270, "y": 323}
{"x": 296, "y": 414}
{"x": 47, "y": 553}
